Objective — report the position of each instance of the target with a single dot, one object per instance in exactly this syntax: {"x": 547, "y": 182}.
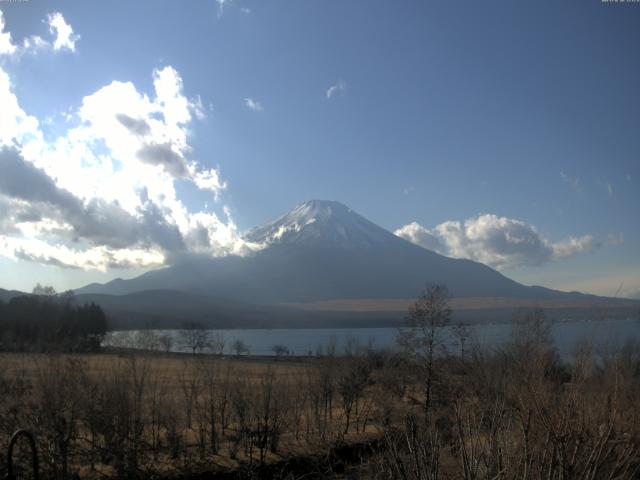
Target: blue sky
{"x": 508, "y": 131}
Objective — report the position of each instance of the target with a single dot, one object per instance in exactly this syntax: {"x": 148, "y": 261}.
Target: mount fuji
{"x": 322, "y": 258}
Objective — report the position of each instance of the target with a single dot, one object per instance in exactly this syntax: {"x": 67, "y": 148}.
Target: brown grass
{"x": 516, "y": 413}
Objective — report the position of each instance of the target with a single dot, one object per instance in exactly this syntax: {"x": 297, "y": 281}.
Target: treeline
{"x": 46, "y": 321}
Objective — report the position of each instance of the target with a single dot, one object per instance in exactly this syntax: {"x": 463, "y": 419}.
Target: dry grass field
{"x": 514, "y": 413}
{"x": 178, "y": 413}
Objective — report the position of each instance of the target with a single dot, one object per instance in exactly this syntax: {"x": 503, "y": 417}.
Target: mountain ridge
{"x": 324, "y": 240}
{"x": 323, "y": 251}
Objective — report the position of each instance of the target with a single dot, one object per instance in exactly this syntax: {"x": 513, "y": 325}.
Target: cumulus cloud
{"x": 416, "y": 233}
{"x": 338, "y": 88}
{"x": 207, "y": 180}
{"x": 98, "y": 222}
{"x": 23, "y": 181}
{"x": 137, "y": 126}
{"x": 165, "y": 156}
{"x": 6, "y": 45}
{"x": 62, "y": 34}
{"x": 103, "y": 194}
{"x": 252, "y": 104}
{"x": 496, "y": 241}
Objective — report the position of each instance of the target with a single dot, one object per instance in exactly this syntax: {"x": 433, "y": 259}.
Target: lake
{"x": 567, "y": 335}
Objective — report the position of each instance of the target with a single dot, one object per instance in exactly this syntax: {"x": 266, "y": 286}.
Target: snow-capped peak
{"x": 319, "y": 221}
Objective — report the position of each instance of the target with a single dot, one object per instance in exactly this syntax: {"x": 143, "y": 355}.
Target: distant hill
{"x": 324, "y": 253}
{"x": 170, "y": 308}
{"x": 6, "y": 295}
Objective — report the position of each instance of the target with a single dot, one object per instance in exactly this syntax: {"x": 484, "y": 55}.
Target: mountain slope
{"x": 323, "y": 250}
{"x": 322, "y": 223}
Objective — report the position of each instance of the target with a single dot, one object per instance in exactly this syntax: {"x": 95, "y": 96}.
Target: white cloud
{"x": 207, "y": 179}
{"x": 610, "y": 189}
{"x": 252, "y": 104}
{"x": 62, "y": 31}
{"x": 103, "y": 194}
{"x": 221, "y": 5}
{"x": 34, "y": 43}
{"x": 338, "y": 88}
{"x": 574, "y": 245}
{"x": 416, "y": 233}
{"x": 496, "y": 241}
{"x": 6, "y": 45}
{"x": 95, "y": 258}
{"x": 198, "y": 108}
{"x": 14, "y": 122}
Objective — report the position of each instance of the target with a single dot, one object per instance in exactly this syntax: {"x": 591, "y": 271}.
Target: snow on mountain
{"x": 323, "y": 250}
{"x": 320, "y": 221}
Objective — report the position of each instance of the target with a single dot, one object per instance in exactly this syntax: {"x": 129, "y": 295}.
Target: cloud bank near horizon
{"x": 499, "y": 242}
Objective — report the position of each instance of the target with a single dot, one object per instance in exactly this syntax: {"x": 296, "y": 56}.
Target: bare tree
{"x": 531, "y": 351}
{"x": 218, "y": 342}
{"x": 58, "y": 396}
{"x": 240, "y": 347}
{"x": 280, "y": 351}
{"x": 352, "y": 380}
{"x": 146, "y": 340}
{"x": 461, "y": 333}
{"x": 426, "y": 318}
{"x": 166, "y": 342}
{"x": 195, "y": 337}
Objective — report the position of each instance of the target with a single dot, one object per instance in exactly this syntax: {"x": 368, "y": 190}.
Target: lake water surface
{"x": 567, "y": 335}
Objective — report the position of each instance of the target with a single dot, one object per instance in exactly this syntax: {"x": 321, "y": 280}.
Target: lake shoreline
{"x": 313, "y": 341}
